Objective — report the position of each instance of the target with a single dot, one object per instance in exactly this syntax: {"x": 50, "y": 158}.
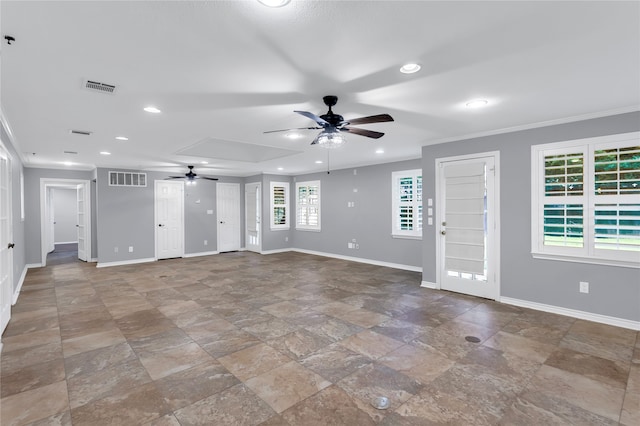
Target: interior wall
{"x": 614, "y": 291}
{"x": 65, "y": 215}
{"x": 369, "y": 221}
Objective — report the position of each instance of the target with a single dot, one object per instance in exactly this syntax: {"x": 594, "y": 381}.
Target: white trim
{"x": 20, "y": 282}
{"x": 361, "y": 260}
{"x": 12, "y": 138}
{"x": 275, "y": 251}
{"x": 287, "y": 206}
{"x": 603, "y": 319}
{"x": 33, "y": 265}
{"x": 396, "y": 232}
{"x": 65, "y": 242}
{"x": 427, "y": 284}
{"x": 304, "y": 227}
{"x": 93, "y": 260}
{"x": 125, "y": 262}
{"x": 202, "y": 253}
{"x": 565, "y": 120}
{"x": 586, "y": 259}
{"x": 407, "y": 237}
{"x": 156, "y": 230}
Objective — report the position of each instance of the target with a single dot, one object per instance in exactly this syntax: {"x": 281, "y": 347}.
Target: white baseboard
{"x": 93, "y": 260}
{"x": 65, "y": 242}
{"x": 202, "y": 253}
{"x": 427, "y": 284}
{"x": 20, "y": 282}
{"x": 604, "y": 319}
{"x": 125, "y": 262}
{"x": 362, "y": 260}
{"x": 33, "y": 265}
{"x": 276, "y": 251}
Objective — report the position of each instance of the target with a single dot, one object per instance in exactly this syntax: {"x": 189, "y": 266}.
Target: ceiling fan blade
{"x": 380, "y": 118}
{"x": 175, "y": 177}
{"x": 363, "y": 132}
{"x": 314, "y": 117}
{"x": 207, "y": 178}
{"x": 297, "y": 128}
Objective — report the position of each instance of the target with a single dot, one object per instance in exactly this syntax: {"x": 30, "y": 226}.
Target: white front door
{"x": 252, "y": 216}
{"x": 6, "y": 231}
{"x": 169, "y": 212}
{"x": 467, "y": 226}
{"x": 82, "y": 221}
{"x": 228, "y": 207}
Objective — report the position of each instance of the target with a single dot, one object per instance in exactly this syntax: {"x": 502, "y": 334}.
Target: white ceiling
{"x": 223, "y": 72}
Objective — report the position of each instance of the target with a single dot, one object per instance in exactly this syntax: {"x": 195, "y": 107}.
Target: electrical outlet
{"x": 357, "y": 246}
{"x": 115, "y": 249}
{"x": 206, "y": 242}
{"x": 130, "y": 249}
{"x": 584, "y": 287}
{"x": 349, "y": 245}
{"x": 286, "y": 239}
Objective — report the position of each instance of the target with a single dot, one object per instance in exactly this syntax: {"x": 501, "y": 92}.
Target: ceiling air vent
{"x": 81, "y": 132}
{"x": 100, "y": 87}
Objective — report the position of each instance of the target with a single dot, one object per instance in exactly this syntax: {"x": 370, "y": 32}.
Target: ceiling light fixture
{"x": 410, "y": 68}
{"x": 152, "y": 109}
{"x": 281, "y": 168}
{"x": 67, "y": 163}
{"x": 330, "y": 138}
{"x": 318, "y": 161}
{"x": 105, "y": 153}
{"x": 204, "y": 162}
{"x": 122, "y": 138}
{"x": 477, "y": 103}
{"x": 274, "y": 3}
{"x": 293, "y": 135}
{"x": 380, "y": 151}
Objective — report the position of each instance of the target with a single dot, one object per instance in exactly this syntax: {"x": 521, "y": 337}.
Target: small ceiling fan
{"x": 333, "y": 124}
{"x": 191, "y": 177}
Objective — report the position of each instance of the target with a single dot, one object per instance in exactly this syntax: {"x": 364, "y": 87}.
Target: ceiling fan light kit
{"x": 191, "y": 177}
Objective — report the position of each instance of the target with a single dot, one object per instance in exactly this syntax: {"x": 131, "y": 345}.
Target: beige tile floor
{"x": 295, "y": 339}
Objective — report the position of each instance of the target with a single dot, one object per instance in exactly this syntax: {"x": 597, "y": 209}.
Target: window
{"x": 279, "y": 205}
{"x": 308, "y": 205}
{"x": 407, "y": 203}
{"x": 586, "y": 200}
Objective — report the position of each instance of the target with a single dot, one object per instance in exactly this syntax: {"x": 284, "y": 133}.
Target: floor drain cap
{"x": 381, "y": 402}
{"x": 472, "y": 339}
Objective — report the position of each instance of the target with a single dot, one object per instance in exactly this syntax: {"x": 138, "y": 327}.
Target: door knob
{"x": 11, "y": 245}
{"x": 160, "y": 225}
{"x": 221, "y": 222}
{"x": 443, "y": 232}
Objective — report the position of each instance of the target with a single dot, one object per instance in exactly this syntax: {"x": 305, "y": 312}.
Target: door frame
{"x": 6, "y": 316}
{"x": 45, "y": 185}
{"x": 218, "y": 221}
{"x": 495, "y": 246}
{"x": 155, "y": 215}
{"x": 258, "y": 186}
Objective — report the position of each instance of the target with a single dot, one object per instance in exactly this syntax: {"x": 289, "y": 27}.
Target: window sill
{"x": 407, "y": 237}
{"x": 307, "y": 229}
{"x": 589, "y": 260}
{"x": 279, "y": 229}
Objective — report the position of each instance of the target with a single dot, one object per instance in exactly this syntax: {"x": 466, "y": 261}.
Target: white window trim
{"x": 272, "y": 205}
{"x": 302, "y": 227}
{"x": 588, "y": 253}
{"x": 415, "y": 234}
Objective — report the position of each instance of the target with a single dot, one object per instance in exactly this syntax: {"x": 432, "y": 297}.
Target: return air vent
{"x": 81, "y": 132}
{"x": 127, "y": 179}
{"x": 71, "y": 152}
{"x": 100, "y": 87}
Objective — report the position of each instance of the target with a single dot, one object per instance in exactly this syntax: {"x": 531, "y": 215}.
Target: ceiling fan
{"x": 333, "y": 125}
{"x": 191, "y": 177}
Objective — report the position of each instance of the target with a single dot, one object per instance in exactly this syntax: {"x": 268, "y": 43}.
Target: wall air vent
{"x": 100, "y": 87}
{"x": 127, "y": 179}
{"x": 81, "y": 132}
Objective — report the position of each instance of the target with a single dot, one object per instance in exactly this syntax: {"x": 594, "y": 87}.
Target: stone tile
{"x": 21, "y": 409}
{"x": 600, "y": 340}
{"x": 91, "y": 362}
{"x": 59, "y": 419}
{"x": 334, "y": 308}
{"x": 176, "y": 308}
{"x": 253, "y": 361}
{"x": 420, "y": 365}
{"x": 335, "y": 362}
{"x": 286, "y": 385}
{"x": 271, "y": 329}
{"x": 219, "y": 344}
{"x": 283, "y": 309}
{"x": 202, "y": 332}
{"x": 143, "y": 323}
{"x": 90, "y": 342}
{"x": 276, "y": 420}
{"x": 39, "y": 323}
{"x": 362, "y": 317}
{"x": 608, "y": 371}
{"x": 166, "y": 420}
{"x": 18, "y": 359}
{"x": 631, "y": 409}
{"x": 334, "y": 329}
{"x": 450, "y": 339}
{"x": 588, "y": 394}
{"x": 131, "y": 406}
{"x": 28, "y": 340}
{"x": 400, "y": 330}
{"x": 520, "y": 346}
{"x": 299, "y": 343}
{"x": 540, "y": 326}
{"x": 331, "y": 406}
{"x": 188, "y": 386}
{"x": 30, "y": 377}
{"x": 237, "y": 405}
{"x": 172, "y": 360}
{"x": 370, "y": 344}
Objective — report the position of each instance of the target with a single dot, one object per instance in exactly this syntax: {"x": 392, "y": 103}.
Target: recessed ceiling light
{"x": 410, "y": 68}
{"x": 318, "y": 161}
{"x": 105, "y": 153}
{"x": 274, "y": 3}
{"x": 477, "y": 103}
{"x": 281, "y": 168}
{"x": 380, "y": 151}
{"x": 67, "y": 163}
{"x": 122, "y": 138}
{"x": 293, "y": 135}
{"x": 152, "y": 109}
{"x": 204, "y": 162}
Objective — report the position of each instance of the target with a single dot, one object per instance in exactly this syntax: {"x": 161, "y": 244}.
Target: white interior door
{"x": 169, "y": 212}
{"x": 82, "y": 223}
{"x": 228, "y": 207}
{"x": 252, "y": 219}
{"x": 467, "y": 226}
{"x": 6, "y": 243}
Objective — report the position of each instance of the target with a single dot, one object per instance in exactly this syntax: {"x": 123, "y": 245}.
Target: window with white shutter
{"x": 407, "y": 203}
{"x": 279, "y": 195}
{"x": 586, "y": 200}
{"x": 308, "y": 206}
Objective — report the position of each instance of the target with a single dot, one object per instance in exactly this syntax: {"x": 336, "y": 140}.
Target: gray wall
{"x": 369, "y": 221}
{"x": 126, "y": 217}
{"x": 32, "y": 178}
{"x": 614, "y": 291}
{"x": 65, "y": 215}
{"x": 19, "y": 251}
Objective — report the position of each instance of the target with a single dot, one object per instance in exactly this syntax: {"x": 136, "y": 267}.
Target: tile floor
{"x": 295, "y": 339}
